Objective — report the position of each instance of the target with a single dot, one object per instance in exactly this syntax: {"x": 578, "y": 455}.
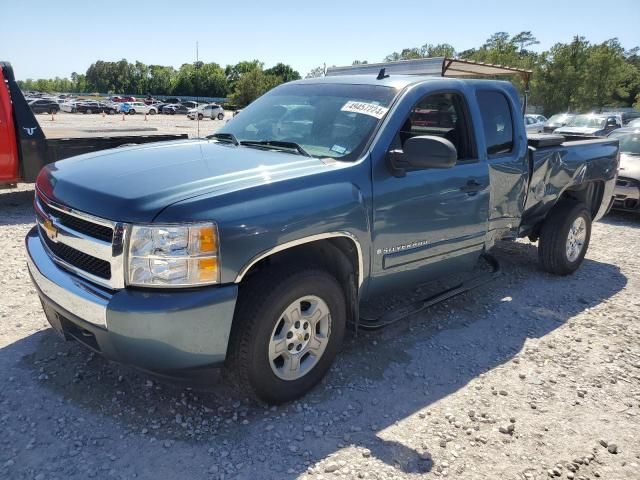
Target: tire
{"x": 152, "y": 111}
{"x": 200, "y": 116}
{"x": 221, "y": 116}
{"x": 88, "y": 111}
{"x": 132, "y": 112}
{"x": 568, "y": 223}
{"x": 260, "y": 318}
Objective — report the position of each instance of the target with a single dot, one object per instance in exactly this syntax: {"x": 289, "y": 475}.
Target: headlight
{"x": 173, "y": 255}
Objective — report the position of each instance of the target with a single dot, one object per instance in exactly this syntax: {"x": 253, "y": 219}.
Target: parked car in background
{"x": 43, "y": 105}
{"x": 174, "y": 108}
{"x": 590, "y": 125}
{"x": 94, "y": 107}
{"x": 634, "y": 123}
{"x": 140, "y": 107}
{"x": 171, "y": 100}
{"x": 534, "y": 123}
{"x": 69, "y": 106}
{"x": 211, "y": 111}
{"x": 627, "y": 192}
{"x": 190, "y": 104}
{"x": 556, "y": 121}
{"x": 626, "y": 116}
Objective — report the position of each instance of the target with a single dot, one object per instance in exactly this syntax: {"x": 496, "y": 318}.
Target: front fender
{"x": 262, "y": 220}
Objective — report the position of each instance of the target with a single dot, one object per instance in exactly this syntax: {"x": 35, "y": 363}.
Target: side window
{"x": 442, "y": 115}
{"x": 497, "y": 122}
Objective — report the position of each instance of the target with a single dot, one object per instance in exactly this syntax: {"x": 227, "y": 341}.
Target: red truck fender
{"x": 9, "y": 156}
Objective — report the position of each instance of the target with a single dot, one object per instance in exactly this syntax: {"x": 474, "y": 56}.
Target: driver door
{"x": 433, "y": 221}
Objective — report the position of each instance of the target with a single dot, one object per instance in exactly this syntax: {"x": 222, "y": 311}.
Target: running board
{"x": 398, "y": 314}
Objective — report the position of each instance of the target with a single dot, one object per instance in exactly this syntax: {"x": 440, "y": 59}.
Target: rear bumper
{"x": 162, "y": 331}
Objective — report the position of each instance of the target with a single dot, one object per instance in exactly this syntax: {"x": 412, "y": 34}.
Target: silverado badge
{"x": 50, "y": 229}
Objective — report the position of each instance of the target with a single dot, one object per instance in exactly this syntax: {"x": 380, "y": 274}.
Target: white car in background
{"x": 69, "y": 106}
{"x": 212, "y": 111}
{"x": 534, "y": 123}
{"x": 140, "y": 107}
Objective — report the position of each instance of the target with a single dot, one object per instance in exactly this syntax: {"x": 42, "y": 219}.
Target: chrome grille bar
{"x": 56, "y": 231}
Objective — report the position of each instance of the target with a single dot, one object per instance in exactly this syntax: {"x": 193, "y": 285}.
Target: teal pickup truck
{"x": 254, "y": 248}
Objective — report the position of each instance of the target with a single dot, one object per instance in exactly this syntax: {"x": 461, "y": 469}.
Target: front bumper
{"x": 157, "y": 330}
{"x": 626, "y": 195}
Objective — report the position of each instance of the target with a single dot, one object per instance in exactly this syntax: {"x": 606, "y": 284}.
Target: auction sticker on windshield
{"x": 365, "y": 108}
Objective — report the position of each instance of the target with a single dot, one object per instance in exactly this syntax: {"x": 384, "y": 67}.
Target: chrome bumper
{"x": 69, "y": 292}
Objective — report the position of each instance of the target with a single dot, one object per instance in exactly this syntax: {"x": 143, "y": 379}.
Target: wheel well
{"x": 338, "y": 255}
{"x": 589, "y": 193}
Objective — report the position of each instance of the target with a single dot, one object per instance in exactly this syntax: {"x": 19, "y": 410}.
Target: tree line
{"x": 574, "y": 76}
{"x": 242, "y": 82}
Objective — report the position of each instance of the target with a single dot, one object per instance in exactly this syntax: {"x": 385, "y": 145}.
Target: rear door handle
{"x": 472, "y": 187}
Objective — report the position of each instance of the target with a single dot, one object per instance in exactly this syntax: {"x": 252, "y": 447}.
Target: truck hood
{"x": 133, "y": 184}
{"x": 577, "y": 130}
{"x": 629, "y": 166}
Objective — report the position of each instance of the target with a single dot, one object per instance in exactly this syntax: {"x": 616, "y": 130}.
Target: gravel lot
{"x": 529, "y": 377}
{"x": 80, "y": 125}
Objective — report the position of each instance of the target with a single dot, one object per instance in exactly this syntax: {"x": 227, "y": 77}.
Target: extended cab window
{"x": 442, "y": 115}
{"x": 497, "y": 122}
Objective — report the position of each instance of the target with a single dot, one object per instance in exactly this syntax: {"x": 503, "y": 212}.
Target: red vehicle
{"x": 24, "y": 149}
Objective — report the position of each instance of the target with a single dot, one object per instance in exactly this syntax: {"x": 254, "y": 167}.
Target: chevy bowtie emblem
{"x": 50, "y": 230}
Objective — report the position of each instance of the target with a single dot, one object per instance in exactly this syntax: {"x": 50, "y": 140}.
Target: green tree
{"x": 251, "y": 85}
{"x": 284, "y": 72}
{"x": 607, "y": 75}
{"x": 316, "y": 72}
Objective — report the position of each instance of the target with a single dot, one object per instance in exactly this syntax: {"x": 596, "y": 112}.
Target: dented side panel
{"x": 570, "y": 166}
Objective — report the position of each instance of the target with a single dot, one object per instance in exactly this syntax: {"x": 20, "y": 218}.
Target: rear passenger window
{"x": 497, "y": 122}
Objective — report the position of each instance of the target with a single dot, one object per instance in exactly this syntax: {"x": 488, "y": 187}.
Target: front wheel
{"x": 152, "y": 112}
{"x": 287, "y": 332}
{"x": 200, "y": 116}
{"x": 132, "y": 112}
{"x": 221, "y": 116}
{"x": 564, "y": 238}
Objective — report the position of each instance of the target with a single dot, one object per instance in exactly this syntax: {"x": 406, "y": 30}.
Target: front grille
{"x": 75, "y": 258}
{"x": 91, "y": 229}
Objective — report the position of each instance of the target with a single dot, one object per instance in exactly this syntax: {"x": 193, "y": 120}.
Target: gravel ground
{"x": 80, "y": 125}
{"x": 529, "y": 377}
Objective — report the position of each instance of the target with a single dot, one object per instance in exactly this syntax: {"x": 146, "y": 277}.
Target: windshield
{"x": 558, "y": 118}
{"x": 589, "y": 121}
{"x": 326, "y": 120}
{"x": 629, "y": 142}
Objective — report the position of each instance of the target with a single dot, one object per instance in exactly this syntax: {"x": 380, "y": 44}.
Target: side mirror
{"x": 420, "y": 153}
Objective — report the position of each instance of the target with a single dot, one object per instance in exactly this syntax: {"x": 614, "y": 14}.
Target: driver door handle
{"x": 472, "y": 187}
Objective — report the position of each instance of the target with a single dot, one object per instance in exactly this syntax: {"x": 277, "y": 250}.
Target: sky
{"x": 44, "y": 39}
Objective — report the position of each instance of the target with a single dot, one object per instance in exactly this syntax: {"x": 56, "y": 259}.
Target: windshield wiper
{"x": 278, "y": 144}
{"x": 227, "y": 137}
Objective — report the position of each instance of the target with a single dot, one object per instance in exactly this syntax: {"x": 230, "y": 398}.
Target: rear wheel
{"x": 152, "y": 112}
{"x": 564, "y": 238}
{"x": 287, "y": 331}
{"x": 132, "y": 112}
